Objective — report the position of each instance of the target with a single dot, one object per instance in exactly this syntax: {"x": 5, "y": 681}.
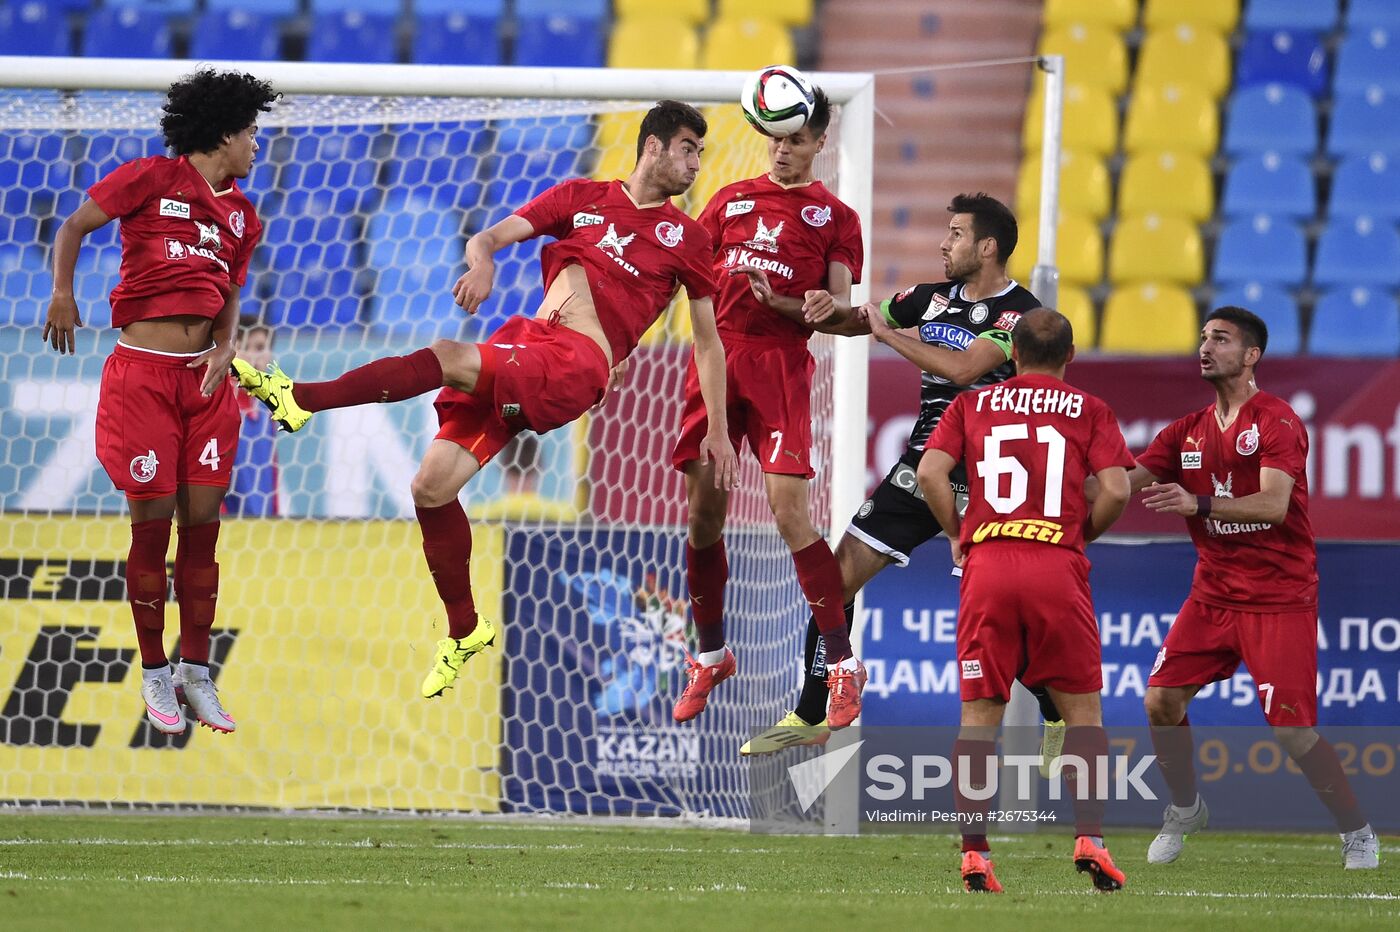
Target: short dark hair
{"x": 1043, "y": 338}
{"x": 204, "y": 108}
{"x": 990, "y": 217}
{"x": 1254, "y": 330}
{"x": 820, "y": 118}
{"x": 250, "y": 323}
{"x": 667, "y": 119}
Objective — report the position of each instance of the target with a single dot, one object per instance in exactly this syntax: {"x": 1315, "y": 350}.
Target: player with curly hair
{"x": 167, "y": 418}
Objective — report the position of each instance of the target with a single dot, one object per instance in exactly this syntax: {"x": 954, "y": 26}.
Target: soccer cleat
{"x": 274, "y": 389}
{"x": 790, "y": 732}
{"x": 162, "y": 705}
{"x": 1052, "y": 743}
{"x": 1361, "y": 849}
{"x": 1166, "y": 847}
{"x": 700, "y": 679}
{"x": 451, "y": 653}
{"x": 977, "y": 875}
{"x": 1092, "y": 856}
{"x": 202, "y": 697}
{"x": 845, "y": 681}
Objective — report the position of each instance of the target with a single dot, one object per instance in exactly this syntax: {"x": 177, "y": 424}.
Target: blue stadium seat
{"x": 34, "y": 27}
{"x": 1271, "y": 118}
{"x": 235, "y": 35}
{"x": 1261, "y": 249}
{"x": 588, "y": 9}
{"x": 352, "y": 36}
{"x": 559, "y": 40}
{"x": 1362, "y": 14}
{"x": 390, "y": 9}
{"x": 1355, "y": 322}
{"x": 1368, "y": 58}
{"x": 162, "y": 7}
{"x": 1295, "y": 58}
{"x": 331, "y": 166}
{"x": 1366, "y": 184}
{"x": 1358, "y": 251}
{"x": 126, "y": 32}
{"x": 1275, "y": 305}
{"x": 415, "y": 249}
{"x": 1270, "y": 184}
{"x": 26, "y": 284}
{"x": 439, "y": 163}
{"x": 276, "y": 8}
{"x": 456, "y": 39}
{"x": 307, "y": 271}
{"x": 1312, "y": 15}
{"x": 1363, "y": 123}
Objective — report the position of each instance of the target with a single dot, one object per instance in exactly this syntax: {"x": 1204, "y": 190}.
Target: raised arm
{"x": 64, "y": 318}
{"x": 474, "y": 287}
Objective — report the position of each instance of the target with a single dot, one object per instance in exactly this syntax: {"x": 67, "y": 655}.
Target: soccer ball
{"x": 777, "y": 100}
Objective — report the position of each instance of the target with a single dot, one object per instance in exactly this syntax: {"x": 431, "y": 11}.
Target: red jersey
{"x": 635, "y": 257}
{"x": 793, "y": 234}
{"x": 1254, "y": 567}
{"x": 1029, "y": 443}
{"x": 184, "y": 246}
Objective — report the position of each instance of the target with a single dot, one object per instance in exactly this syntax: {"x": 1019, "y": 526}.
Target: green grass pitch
{"x": 279, "y": 875}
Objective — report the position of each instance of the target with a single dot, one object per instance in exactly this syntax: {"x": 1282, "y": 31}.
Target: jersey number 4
{"x": 994, "y": 465}
{"x": 210, "y": 455}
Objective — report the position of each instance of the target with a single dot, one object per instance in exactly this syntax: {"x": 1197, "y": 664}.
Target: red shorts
{"x": 155, "y": 431}
{"x": 1025, "y": 613}
{"x": 1206, "y": 643}
{"x": 768, "y": 395}
{"x": 534, "y": 376}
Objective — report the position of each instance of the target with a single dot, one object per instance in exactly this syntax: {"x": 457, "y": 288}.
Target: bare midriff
{"x": 179, "y": 333}
{"x": 569, "y": 303}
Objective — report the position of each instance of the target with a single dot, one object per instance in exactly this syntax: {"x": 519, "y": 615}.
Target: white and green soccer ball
{"x": 778, "y": 100}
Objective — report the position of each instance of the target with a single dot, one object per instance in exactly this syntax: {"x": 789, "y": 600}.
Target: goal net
{"x": 368, "y": 182}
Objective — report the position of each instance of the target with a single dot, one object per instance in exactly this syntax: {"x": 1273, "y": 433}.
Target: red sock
{"x": 971, "y": 762}
{"x": 1176, "y": 751}
{"x": 145, "y": 587}
{"x": 383, "y": 380}
{"x": 706, "y": 572}
{"x": 196, "y": 588}
{"x": 447, "y": 543}
{"x": 1090, "y": 744}
{"x": 1324, "y": 771}
{"x": 820, "y": 577}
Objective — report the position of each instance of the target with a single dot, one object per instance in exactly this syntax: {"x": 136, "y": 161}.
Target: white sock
{"x": 848, "y": 664}
{"x": 1188, "y": 811}
{"x": 709, "y": 658}
{"x": 157, "y": 673}
{"x": 193, "y": 671}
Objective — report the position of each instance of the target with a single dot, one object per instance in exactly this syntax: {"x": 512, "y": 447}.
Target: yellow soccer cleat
{"x": 791, "y": 732}
{"x": 451, "y": 653}
{"x": 1052, "y": 744}
{"x": 274, "y": 389}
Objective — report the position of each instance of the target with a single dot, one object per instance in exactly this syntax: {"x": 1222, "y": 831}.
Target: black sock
{"x": 1047, "y": 705}
{"x": 811, "y": 705}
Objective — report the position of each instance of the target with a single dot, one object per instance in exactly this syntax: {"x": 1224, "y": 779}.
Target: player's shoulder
{"x": 1273, "y": 408}
{"x": 155, "y": 167}
{"x": 1016, "y": 298}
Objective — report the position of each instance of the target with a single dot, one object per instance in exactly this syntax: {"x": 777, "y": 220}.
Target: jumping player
{"x": 167, "y": 419}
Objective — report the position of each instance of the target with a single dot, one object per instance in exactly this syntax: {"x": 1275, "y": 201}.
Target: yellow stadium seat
{"x": 1167, "y": 183}
{"x": 1118, "y": 14}
{"x": 616, "y": 141}
{"x": 1076, "y": 304}
{"x": 1084, "y": 186}
{"x": 1094, "y": 55}
{"x": 787, "y": 12}
{"x": 1153, "y": 248}
{"x": 1171, "y": 118}
{"x": 694, "y": 12}
{"x": 1220, "y": 15}
{"x": 1078, "y": 251}
{"x": 745, "y": 44}
{"x": 1090, "y": 120}
{"x": 653, "y": 42}
{"x": 734, "y": 150}
{"x": 1185, "y": 54}
{"x": 1150, "y": 319}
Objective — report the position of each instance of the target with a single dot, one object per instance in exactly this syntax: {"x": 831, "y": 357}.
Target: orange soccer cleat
{"x": 700, "y": 679}
{"x": 977, "y": 874}
{"x": 845, "y": 680}
{"x": 1093, "y": 857}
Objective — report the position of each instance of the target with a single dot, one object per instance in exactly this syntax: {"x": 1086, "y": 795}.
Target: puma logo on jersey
{"x": 1195, "y": 442}
{"x": 208, "y": 234}
{"x": 1290, "y": 709}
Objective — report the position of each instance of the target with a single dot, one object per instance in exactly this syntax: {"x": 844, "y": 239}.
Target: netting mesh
{"x": 326, "y": 612}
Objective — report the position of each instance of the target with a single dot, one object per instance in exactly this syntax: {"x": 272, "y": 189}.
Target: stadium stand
{"x": 1262, "y": 248}
{"x": 1270, "y": 183}
{"x": 1149, "y": 319}
{"x": 33, "y": 28}
{"x": 1166, "y": 183}
{"x": 1355, "y": 322}
{"x": 1298, "y": 59}
{"x": 1275, "y": 305}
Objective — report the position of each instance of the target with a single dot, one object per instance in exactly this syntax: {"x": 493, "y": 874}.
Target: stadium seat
{"x": 234, "y": 35}
{"x": 1094, "y": 55}
{"x": 1090, "y": 120}
{"x": 1358, "y": 251}
{"x": 1271, "y": 118}
{"x": 616, "y": 143}
{"x": 417, "y": 164}
{"x": 1185, "y": 54}
{"x": 732, "y": 151}
{"x": 1366, "y": 184}
{"x": 26, "y": 285}
{"x": 456, "y": 38}
{"x": 1154, "y": 248}
{"x": 1280, "y": 185}
{"x": 1116, "y": 14}
{"x": 34, "y": 27}
{"x": 1084, "y": 186}
{"x": 1076, "y": 304}
{"x": 352, "y": 36}
{"x": 415, "y": 248}
{"x": 1266, "y": 249}
{"x": 1355, "y": 322}
{"x": 559, "y": 41}
{"x": 745, "y": 44}
{"x": 1168, "y": 184}
{"x": 585, "y": 9}
{"x": 163, "y": 7}
{"x": 653, "y": 42}
{"x": 1078, "y": 251}
{"x": 1298, "y": 59}
{"x": 1277, "y": 308}
{"x": 261, "y": 7}
{"x": 126, "y": 32}
{"x": 1364, "y": 123}
{"x": 390, "y": 9}
{"x": 1149, "y": 320}
{"x": 694, "y": 12}
{"x": 1219, "y": 15}
{"x": 1368, "y": 58}
{"x": 1312, "y": 15}
{"x": 1171, "y": 118}
{"x": 1363, "y": 14}
{"x": 790, "y": 13}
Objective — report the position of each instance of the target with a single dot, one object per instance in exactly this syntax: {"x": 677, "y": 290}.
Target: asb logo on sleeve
{"x": 582, "y": 219}
{"x": 670, "y": 234}
{"x": 972, "y": 669}
{"x": 816, "y": 216}
{"x": 173, "y": 208}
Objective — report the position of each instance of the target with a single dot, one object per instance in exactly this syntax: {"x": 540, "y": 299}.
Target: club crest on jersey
{"x": 765, "y": 238}
{"x": 1222, "y": 489}
{"x": 1161, "y": 658}
{"x": 582, "y": 219}
{"x": 737, "y": 208}
{"x": 174, "y": 249}
{"x": 816, "y": 216}
{"x": 1008, "y": 320}
{"x": 612, "y": 245}
{"x": 235, "y": 223}
{"x": 979, "y": 313}
{"x": 670, "y": 234}
{"x": 936, "y": 305}
{"x": 1248, "y": 441}
{"x": 143, "y": 468}
{"x": 208, "y": 234}
{"x": 173, "y": 208}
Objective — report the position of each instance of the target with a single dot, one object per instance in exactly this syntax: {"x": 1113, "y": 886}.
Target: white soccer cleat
{"x": 1176, "y": 825}
{"x": 198, "y": 692}
{"x": 1361, "y": 849}
{"x": 162, "y": 705}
